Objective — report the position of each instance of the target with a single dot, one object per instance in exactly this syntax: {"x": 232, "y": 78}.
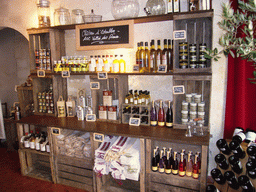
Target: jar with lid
{"x": 155, "y": 7}
{"x": 77, "y": 16}
{"x": 43, "y": 12}
{"x": 61, "y": 16}
{"x": 123, "y": 9}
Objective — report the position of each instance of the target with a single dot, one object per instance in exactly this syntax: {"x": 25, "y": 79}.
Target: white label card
{"x": 90, "y": 117}
{"x": 162, "y": 69}
{"x": 179, "y": 34}
{"x": 65, "y": 74}
{"x": 40, "y": 73}
{"x": 179, "y": 89}
{"x": 102, "y": 75}
{"x": 55, "y": 131}
{"x": 95, "y": 85}
{"x": 98, "y": 137}
{"x": 134, "y": 121}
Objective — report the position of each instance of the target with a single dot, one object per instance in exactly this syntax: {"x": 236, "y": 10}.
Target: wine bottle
{"x": 250, "y": 136}
{"x": 32, "y": 140}
{"x": 138, "y": 54}
{"x": 135, "y": 110}
{"x": 142, "y": 58}
{"x": 157, "y": 154}
{"x": 246, "y": 184}
{"x": 238, "y": 130}
{"x": 175, "y": 165}
{"x": 144, "y": 120}
{"x": 154, "y": 162}
{"x": 251, "y": 169}
{"x": 218, "y": 177}
{"x": 26, "y": 140}
{"x": 211, "y": 188}
{"x": 135, "y": 98}
{"x": 169, "y": 116}
{"x": 235, "y": 164}
{"x": 182, "y": 166}
{"x": 158, "y": 54}
{"x": 239, "y": 137}
{"x": 116, "y": 65}
{"x": 168, "y": 165}
{"x": 144, "y": 112}
{"x": 37, "y": 140}
{"x": 42, "y": 142}
{"x": 161, "y": 121}
{"x": 170, "y": 56}
{"x": 140, "y": 97}
{"x": 189, "y": 166}
{"x": 127, "y": 109}
{"x": 221, "y": 160}
{"x": 195, "y": 173}
{"x": 127, "y": 99}
{"x": 237, "y": 149}
{"x": 223, "y": 146}
{"x": 165, "y": 53}
{"x": 251, "y": 149}
{"x": 199, "y": 161}
{"x": 153, "y": 115}
{"x": 131, "y": 96}
{"x": 161, "y": 163}
{"x": 231, "y": 180}
{"x": 147, "y": 58}
{"x": 164, "y": 155}
{"x": 153, "y": 65}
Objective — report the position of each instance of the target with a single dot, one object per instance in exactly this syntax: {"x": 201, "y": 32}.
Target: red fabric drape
{"x": 241, "y": 95}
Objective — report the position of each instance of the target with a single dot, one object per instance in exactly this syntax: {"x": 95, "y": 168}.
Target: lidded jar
{"x": 61, "y": 16}
{"x": 155, "y": 7}
{"x": 77, "y": 16}
{"x": 43, "y": 12}
{"x": 122, "y": 9}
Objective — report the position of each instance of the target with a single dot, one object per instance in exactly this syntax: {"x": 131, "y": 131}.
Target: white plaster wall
{"x": 21, "y": 14}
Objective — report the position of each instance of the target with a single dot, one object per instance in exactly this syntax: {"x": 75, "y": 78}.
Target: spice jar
{"x": 184, "y": 121}
{"x": 197, "y": 98}
{"x": 77, "y": 16}
{"x": 193, "y": 106}
{"x": 192, "y": 115}
{"x": 184, "y": 106}
{"x": 189, "y": 98}
{"x": 184, "y": 114}
{"x": 201, "y": 107}
{"x": 201, "y": 115}
{"x": 43, "y": 12}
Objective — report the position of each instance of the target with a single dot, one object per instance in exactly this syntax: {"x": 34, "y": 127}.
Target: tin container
{"x": 184, "y": 114}
{"x": 107, "y": 98}
{"x": 102, "y": 112}
{"x": 112, "y": 113}
{"x": 189, "y": 98}
{"x": 193, "y": 107}
{"x": 201, "y": 107}
{"x": 184, "y": 106}
{"x": 192, "y": 115}
{"x": 197, "y": 98}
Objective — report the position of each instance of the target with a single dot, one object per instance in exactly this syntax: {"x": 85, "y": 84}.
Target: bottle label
{"x": 195, "y": 175}
{"x": 131, "y": 100}
{"x": 154, "y": 168}
{"x": 139, "y": 101}
{"x": 164, "y": 61}
{"x": 242, "y": 135}
{"x": 135, "y": 102}
{"x": 42, "y": 147}
{"x": 153, "y": 123}
{"x": 99, "y": 67}
{"x": 189, "y": 174}
{"x": 182, "y": 173}
{"x": 176, "y": 6}
{"x": 143, "y": 100}
{"x": 169, "y": 6}
{"x": 26, "y": 144}
{"x": 48, "y": 148}
{"x": 126, "y": 101}
{"x": 151, "y": 62}
{"x": 147, "y": 101}
{"x": 251, "y": 136}
{"x": 161, "y": 123}
{"x": 122, "y": 67}
{"x": 168, "y": 171}
{"x": 175, "y": 172}
{"x": 115, "y": 67}
{"x": 32, "y": 145}
{"x": 38, "y": 146}
{"x": 161, "y": 170}
{"x": 168, "y": 124}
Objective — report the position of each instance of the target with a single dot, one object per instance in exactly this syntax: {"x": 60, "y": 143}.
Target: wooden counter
{"x": 146, "y": 132}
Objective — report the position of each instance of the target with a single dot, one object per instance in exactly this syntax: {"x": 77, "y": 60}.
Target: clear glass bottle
{"x": 123, "y": 9}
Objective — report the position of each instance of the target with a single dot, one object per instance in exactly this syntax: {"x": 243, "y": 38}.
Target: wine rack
{"x": 140, "y": 108}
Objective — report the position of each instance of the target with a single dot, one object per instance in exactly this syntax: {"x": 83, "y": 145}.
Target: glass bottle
{"x": 164, "y": 154}
{"x": 32, "y": 140}
{"x": 170, "y": 56}
{"x": 131, "y": 96}
{"x": 199, "y": 161}
{"x": 42, "y": 143}
{"x": 38, "y": 138}
{"x": 26, "y": 140}
{"x": 169, "y": 116}
{"x": 168, "y": 165}
{"x": 43, "y": 11}
{"x": 176, "y": 6}
{"x": 221, "y": 160}
{"x": 231, "y": 180}
{"x": 251, "y": 149}
{"x": 116, "y": 65}
{"x": 161, "y": 163}
{"x": 99, "y": 64}
{"x": 195, "y": 173}
{"x": 138, "y": 54}
{"x": 142, "y": 58}
{"x": 154, "y": 162}
{"x": 157, "y": 154}
{"x": 153, "y": 64}
{"x": 158, "y": 54}
{"x": 223, "y": 146}
{"x": 218, "y": 177}
{"x": 250, "y": 136}
{"x": 182, "y": 166}
{"x": 165, "y": 53}
{"x": 246, "y": 184}
{"x": 161, "y": 115}
{"x": 237, "y": 149}
{"x": 235, "y": 164}
{"x": 189, "y": 165}
{"x": 106, "y": 64}
{"x": 153, "y": 115}
{"x": 175, "y": 165}
{"x": 147, "y": 58}
{"x": 211, "y": 188}
{"x": 239, "y": 137}
{"x": 140, "y": 97}
{"x": 122, "y": 65}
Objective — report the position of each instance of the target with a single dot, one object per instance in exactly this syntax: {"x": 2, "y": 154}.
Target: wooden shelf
{"x": 35, "y": 151}
{"x": 25, "y": 88}
{"x": 40, "y": 174}
{"x": 138, "y": 20}
{"x": 147, "y": 132}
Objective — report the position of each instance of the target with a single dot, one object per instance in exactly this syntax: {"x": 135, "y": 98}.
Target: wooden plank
{"x": 51, "y": 158}
{"x": 37, "y": 30}
{"x": 20, "y": 134}
{"x": 93, "y": 157}
{"x": 167, "y": 188}
{"x": 148, "y": 163}
{"x": 75, "y": 170}
{"x": 74, "y": 177}
{"x": 23, "y": 164}
{"x": 192, "y": 78}
{"x": 204, "y": 168}
{"x": 75, "y": 184}
{"x": 82, "y": 163}
{"x": 193, "y": 15}
{"x": 142, "y": 166}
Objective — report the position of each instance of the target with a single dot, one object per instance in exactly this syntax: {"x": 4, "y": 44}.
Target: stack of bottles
{"x": 45, "y": 101}
{"x": 38, "y": 141}
{"x": 149, "y": 60}
{"x": 169, "y": 162}
{"x": 192, "y": 108}
{"x": 43, "y": 59}
{"x": 231, "y": 156}
{"x": 135, "y": 98}
{"x": 161, "y": 118}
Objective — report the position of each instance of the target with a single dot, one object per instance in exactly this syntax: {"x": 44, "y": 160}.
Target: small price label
{"x": 65, "y": 74}
{"x": 179, "y": 89}
{"x": 90, "y": 117}
{"x": 102, "y": 75}
{"x": 95, "y": 85}
{"x": 179, "y": 34}
{"x": 55, "y": 131}
{"x": 40, "y": 73}
{"x": 162, "y": 69}
{"x": 134, "y": 121}
{"x": 136, "y": 68}
{"x": 98, "y": 137}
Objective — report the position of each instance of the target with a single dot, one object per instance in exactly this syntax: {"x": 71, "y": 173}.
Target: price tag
{"x": 65, "y": 74}
{"x": 136, "y": 68}
{"x": 90, "y": 117}
{"x": 162, "y": 69}
{"x": 134, "y": 121}
{"x": 55, "y": 131}
{"x": 102, "y": 75}
{"x": 95, "y": 85}
{"x": 40, "y": 73}
{"x": 179, "y": 34}
{"x": 179, "y": 89}
{"x": 98, "y": 137}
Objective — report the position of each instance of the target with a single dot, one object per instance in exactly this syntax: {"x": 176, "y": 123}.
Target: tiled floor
{"x": 12, "y": 180}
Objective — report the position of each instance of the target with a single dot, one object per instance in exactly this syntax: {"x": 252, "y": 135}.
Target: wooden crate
{"x": 193, "y": 84}
{"x": 118, "y": 84}
{"x": 25, "y": 96}
{"x": 179, "y": 24}
{"x": 156, "y": 181}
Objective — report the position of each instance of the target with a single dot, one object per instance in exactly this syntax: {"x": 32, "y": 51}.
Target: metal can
{"x": 40, "y": 110}
{"x": 44, "y": 52}
{"x": 102, "y": 112}
{"x": 48, "y": 52}
{"x": 192, "y": 48}
{"x": 183, "y": 47}
{"x": 112, "y": 115}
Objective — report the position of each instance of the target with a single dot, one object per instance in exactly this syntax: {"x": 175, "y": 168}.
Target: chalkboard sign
{"x": 55, "y": 131}
{"x": 162, "y": 68}
{"x": 102, "y": 75}
{"x": 180, "y": 34}
{"x": 134, "y": 121}
{"x": 98, "y": 137}
{"x": 90, "y": 117}
{"x": 107, "y": 35}
{"x": 40, "y": 73}
{"x": 179, "y": 89}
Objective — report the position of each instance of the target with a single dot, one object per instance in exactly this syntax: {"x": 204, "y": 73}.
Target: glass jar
{"x": 77, "y": 16}
{"x": 155, "y": 7}
{"x": 61, "y": 16}
{"x": 43, "y": 12}
{"x": 122, "y": 9}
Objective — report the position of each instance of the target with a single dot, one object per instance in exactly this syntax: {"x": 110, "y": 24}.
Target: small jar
{"x": 61, "y": 16}
{"x": 193, "y": 107}
{"x": 184, "y": 121}
{"x": 197, "y": 98}
{"x": 192, "y": 48}
{"x": 189, "y": 98}
{"x": 184, "y": 106}
{"x": 201, "y": 106}
{"x": 193, "y": 97}
{"x": 184, "y": 114}
{"x": 192, "y": 115}
{"x": 77, "y": 16}
{"x": 201, "y": 115}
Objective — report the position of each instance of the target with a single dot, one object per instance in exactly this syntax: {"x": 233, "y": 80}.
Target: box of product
{"x": 107, "y": 98}
{"x": 112, "y": 114}
{"x": 102, "y": 112}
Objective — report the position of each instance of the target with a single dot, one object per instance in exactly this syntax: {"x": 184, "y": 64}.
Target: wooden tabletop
{"x": 147, "y": 132}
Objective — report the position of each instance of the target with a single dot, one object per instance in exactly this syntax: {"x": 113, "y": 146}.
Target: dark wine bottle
{"x": 250, "y": 136}
{"x": 218, "y": 177}
{"x": 127, "y": 109}
{"x": 153, "y": 115}
{"x": 144, "y": 112}
{"x": 211, "y": 188}
{"x": 252, "y": 173}
{"x": 168, "y": 165}
{"x": 239, "y": 137}
{"x": 164, "y": 155}
{"x": 169, "y": 116}
{"x": 251, "y": 149}
{"x": 237, "y": 149}
{"x": 223, "y": 146}
{"x": 175, "y": 165}
{"x": 157, "y": 154}
{"x": 161, "y": 164}
{"x": 154, "y": 161}
{"x": 251, "y": 169}
{"x": 135, "y": 110}
{"x": 231, "y": 179}
{"x": 235, "y": 164}
{"x": 221, "y": 160}
{"x": 182, "y": 166}
{"x": 161, "y": 114}
{"x": 246, "y": 184}
{"x": 195, "y": 173}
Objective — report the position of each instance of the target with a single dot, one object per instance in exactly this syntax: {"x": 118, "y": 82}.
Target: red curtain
{"x": 241, "y": 95}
